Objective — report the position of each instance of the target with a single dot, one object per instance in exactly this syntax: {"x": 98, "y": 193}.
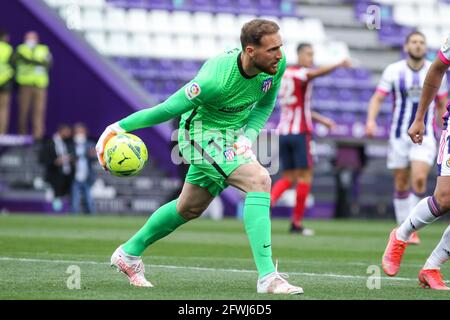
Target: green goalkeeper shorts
{"x": 211, "y": 163}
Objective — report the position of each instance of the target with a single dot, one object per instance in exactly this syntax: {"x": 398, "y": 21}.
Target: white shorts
{"x": 443, "y": 159}
{"x": 402, "y": 151}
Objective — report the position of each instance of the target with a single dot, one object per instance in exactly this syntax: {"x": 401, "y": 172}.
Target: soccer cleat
{"x": 276, "y": 283}
{"x": 393, "y": 254}
{"x": 414, "y": 238}
{"x": 432, "y": 278}
{"x": 301, "y": 230}
{"x": 133, "y": 268}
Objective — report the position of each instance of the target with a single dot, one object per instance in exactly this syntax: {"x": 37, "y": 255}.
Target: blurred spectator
{"x": 57, "y": 159}
{"x": 84, "y": 154}
{"x": 6, "y": 75}
{"x": 33, "y": 61}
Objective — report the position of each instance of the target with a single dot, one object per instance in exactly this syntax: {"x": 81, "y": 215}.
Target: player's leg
{"x": 286, "y": 155}
{"x": 192, "y": 201}
{"x": 401, "y": 194}
{"x": 255, "y": 181}
{"x": 304, "y": 178}
{"x": 303, "y": 163}
{"x": 427, "y": 210}
{"x": 419, "y": 174}
{"x": 398, "y": 160}
{"x": 430, "y": 275}
{"x": 127, "y": 257}
{"x": 424, "y": 213}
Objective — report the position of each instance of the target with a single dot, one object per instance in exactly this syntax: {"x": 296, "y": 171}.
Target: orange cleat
{"x": 432, "y": 278}
{"x": 414, "y": 238}
{"x": 393, "y": 254}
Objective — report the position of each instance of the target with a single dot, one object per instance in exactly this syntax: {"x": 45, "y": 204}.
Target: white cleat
{"x": 131, "y": 266}
{"x": 276, "y": 283}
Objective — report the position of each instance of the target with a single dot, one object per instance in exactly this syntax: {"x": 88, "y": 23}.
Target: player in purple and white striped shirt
{"x": 410, "y": 163}
{"x": 431, "y": 208}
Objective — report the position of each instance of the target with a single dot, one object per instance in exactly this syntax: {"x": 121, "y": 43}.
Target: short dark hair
{"x": 302, "y": 46}
{"x": 253, "y": 31}
{"x": 414, "y": 33}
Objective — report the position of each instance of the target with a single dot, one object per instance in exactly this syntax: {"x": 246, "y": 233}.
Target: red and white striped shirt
{"x": 295, "y": 100}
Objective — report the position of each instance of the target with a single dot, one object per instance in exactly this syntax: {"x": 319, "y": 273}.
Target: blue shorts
{"x": 295, "y": 151}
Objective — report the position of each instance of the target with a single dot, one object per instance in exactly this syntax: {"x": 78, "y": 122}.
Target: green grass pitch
{"x": 203, "y": 259}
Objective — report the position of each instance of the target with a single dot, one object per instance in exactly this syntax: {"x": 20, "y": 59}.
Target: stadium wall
{"x": 84, "y": 86}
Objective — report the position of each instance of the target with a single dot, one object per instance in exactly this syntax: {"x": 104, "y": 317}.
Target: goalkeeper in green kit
{"x": 223, "y": 110}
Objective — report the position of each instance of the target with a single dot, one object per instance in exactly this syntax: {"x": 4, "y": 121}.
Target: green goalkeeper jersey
{"x": 221, "y": 97}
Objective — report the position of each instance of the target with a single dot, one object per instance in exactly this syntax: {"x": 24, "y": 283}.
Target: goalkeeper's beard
{"x": 267, "y": 69}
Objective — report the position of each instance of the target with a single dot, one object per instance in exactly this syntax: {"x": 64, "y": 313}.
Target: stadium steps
{"x": 340, "y": 24}
{"x": 22, "y": 179}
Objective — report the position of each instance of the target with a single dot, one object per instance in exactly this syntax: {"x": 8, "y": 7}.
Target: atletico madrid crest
{"x": 229, "y": 154}
{"x": 266, "y": 85}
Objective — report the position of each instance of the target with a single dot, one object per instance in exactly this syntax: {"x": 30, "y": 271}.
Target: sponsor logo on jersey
{"x": 447, "y": 163}
{"x": 235, "y": 109}
{"x": 414, "y": 93}
{"x": 229, "y": 154}
{"x": 267, "y": 84}
{"x": 192, "y": 90}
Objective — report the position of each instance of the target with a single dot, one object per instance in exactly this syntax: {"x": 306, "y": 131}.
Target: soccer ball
{"x": 125, "y": 155}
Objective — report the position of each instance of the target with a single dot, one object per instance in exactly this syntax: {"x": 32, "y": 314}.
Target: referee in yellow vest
{"x": 33, "y": 61}
{"x": 6, "y": 80}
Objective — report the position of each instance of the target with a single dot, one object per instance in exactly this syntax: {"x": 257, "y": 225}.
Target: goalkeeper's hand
{"x": 243, "y": 146}
{"x": 109, "y": 132}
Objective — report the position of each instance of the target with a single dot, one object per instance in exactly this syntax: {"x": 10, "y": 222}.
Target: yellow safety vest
{"x": 30, "y": 74}
{"x": 6, "y": 71}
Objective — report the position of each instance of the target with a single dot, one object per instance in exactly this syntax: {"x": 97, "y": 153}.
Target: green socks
{"x": 257, "y": 226}
{"x": 256, "y": 221}
{"x": 162, "y": 222}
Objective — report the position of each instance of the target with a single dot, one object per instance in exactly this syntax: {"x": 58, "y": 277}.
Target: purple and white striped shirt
{"x": 406, "y": 86}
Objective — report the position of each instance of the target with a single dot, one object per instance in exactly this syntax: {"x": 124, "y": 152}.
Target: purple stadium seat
{"x": 393, "y": 34}
{"x": 225, "y": 6}
{"x": 247, "y": 7}
{"x": 365, "y": 95}
{"x": 124, "y": 63}
{"x": 203, "y": 5}
{"x": 159, "y": 4}
{"x": 345, "y": 95}
{"x": 361, "y": 74}
{"x": 137, "y": 4}
{"x": 170, "y": 86}
{"x": 269, "y": 7}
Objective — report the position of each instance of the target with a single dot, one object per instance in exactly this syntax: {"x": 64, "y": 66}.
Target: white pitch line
{"x": 331, "y": 275}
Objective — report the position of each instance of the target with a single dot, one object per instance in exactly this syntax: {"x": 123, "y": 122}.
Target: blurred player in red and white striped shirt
{"x": 295, "y": 130}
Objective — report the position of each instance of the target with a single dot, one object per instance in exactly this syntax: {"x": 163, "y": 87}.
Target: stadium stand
{"x": 162, "y": 43}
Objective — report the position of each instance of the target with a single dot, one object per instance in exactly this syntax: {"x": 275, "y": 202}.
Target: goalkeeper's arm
{"x": 174, "y": 106}
{"x": 199, "y": 91}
